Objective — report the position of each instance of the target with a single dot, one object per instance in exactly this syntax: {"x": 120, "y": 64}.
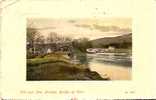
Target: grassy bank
{"x": 58, "y": 67}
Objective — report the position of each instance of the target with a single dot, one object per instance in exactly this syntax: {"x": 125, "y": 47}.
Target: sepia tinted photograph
{"x": 79, "y": 49}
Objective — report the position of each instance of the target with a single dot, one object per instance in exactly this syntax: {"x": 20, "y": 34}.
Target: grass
{"x": 52, "y": 59}
{"x": 57, "y": 67}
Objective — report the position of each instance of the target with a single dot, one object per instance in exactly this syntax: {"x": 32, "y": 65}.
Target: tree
{"x": 31, "y": 34}
{"x": 40, "y": 39}
{"x": 82, "y": 44}
{"x": 33, "y": 37}
{"x": 54, "y": 38}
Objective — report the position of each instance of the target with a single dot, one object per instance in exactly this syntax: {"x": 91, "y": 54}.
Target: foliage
{"x": 46, "y": 59}
{"x": 33, "y": 37}
{"x": 54, "y": 38}
{"x": 82, "y": 44}
{"x": 119, "y": 45}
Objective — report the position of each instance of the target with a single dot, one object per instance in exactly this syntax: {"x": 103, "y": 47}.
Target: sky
{"x": 91, "y": 28}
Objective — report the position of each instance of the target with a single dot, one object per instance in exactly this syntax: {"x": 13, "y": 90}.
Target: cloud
{"x": 84, "y": 26}
{"x": 102, "y": 28}
{"x": 77, "y": 28}
{"x": 111, "y": 28}
{"x": 71, "y": 21}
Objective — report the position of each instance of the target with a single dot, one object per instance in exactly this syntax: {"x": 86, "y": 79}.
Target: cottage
{"x": 111, "y": 48}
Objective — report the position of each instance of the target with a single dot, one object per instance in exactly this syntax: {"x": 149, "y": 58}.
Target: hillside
{"x": 118, "y": 40}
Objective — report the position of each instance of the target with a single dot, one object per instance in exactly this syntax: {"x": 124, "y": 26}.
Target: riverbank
{"x": 58, "y": 67}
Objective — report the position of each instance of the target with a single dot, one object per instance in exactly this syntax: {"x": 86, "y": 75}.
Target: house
{"x": 111, "y": 48}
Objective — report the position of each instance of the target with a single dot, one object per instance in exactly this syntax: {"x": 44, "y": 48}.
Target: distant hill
{"x": 119, "y": 41}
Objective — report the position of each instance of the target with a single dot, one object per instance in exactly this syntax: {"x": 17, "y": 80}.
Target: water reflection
{"x": 116, "y": 65}
{"x": 122, "y": 59}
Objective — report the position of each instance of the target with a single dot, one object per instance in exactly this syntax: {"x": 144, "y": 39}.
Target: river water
{"x": 116, "y": 66}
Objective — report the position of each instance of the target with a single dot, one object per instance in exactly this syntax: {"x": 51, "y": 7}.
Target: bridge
{"x": 45, "y": 48}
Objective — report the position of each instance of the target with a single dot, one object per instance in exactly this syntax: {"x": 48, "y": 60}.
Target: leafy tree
{"x": 33, "y": 38}
{"x": 82, "y": 44}
{"x": 54, "y": 38}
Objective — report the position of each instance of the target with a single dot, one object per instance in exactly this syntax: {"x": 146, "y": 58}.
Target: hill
{"x": 123, "y": 41}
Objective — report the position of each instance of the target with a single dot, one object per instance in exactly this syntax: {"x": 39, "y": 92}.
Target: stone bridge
{"x": 49, "y": 48}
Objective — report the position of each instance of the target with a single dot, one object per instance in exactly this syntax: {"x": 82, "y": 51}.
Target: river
{"x": 117, "y": 66}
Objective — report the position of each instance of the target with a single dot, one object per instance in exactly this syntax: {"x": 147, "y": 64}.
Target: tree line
{"x": 34, "y": 37}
